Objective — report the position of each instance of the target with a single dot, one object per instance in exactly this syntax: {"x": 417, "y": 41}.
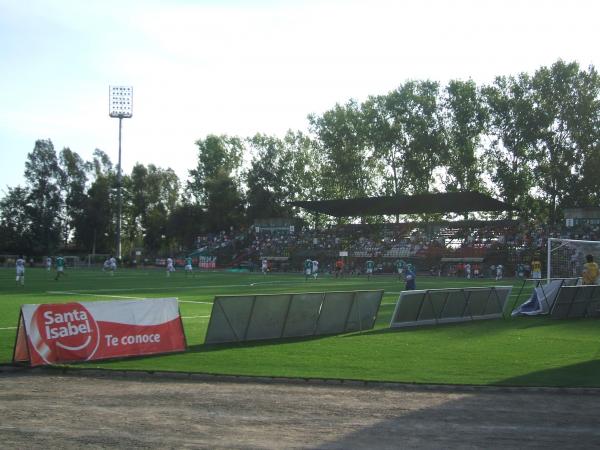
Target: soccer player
{"x": 188, "y": 265}
{"x": 48, "y": 263}
{"x": 410, "y": 276}
{"x": 370, "y": 265}
{"x": 170, "y": 267}
{"x": 520, "y": 270}
{"x": 307, "y": 268}
{"x": 400, "y": 264}
{"x": 590, "y": 271}
{"x": 339, "y": 268}
{"x": 20, "y": 266}
{"x": 468, "y": 271}
{"x": 536, "y": 268}
{"x": 106, "y": 265}
{"x": 60, "y": 267}
{"x": 499, "y": 272}
{"x": 265, "y": 266}
{"x": 113, "y": 265}
{"x": 315, "y": 268}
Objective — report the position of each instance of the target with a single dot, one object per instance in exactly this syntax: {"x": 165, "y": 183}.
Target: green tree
{"x": 43, "y": 176}
{"x": 566, "y": 100}
{"x": 266, "y": 178}
{"x": 513, "y": 132}
{"x": 224, "y": 203}
{"x": 347, "y": 168}
{"x": 73, "y": 182}
{"x": 186, "y": 223}
{"x": 96, "y": 230}
{"x": 465, "y": 118}
{"x": 153, "y": 195}
{"x": 416, "y": 134}
{"x": 587, "y": 136}
{"x": 136, "y": 204}
{"x": 217, "y": 155}
{"x": 215, "y": 182}
{"x": 387, "y": 142}
{"x": 16, "y": 222}
{"x": 162, "y": 198}
{"x": 281, "y": 171}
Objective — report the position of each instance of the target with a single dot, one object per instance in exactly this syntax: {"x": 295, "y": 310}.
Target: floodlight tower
{"x": 120, "y": 105}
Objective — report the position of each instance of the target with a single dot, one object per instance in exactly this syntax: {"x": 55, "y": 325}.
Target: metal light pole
{"x": 120, "y": 101}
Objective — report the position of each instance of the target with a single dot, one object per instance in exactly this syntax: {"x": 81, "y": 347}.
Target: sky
{"x": 246, "y": 67}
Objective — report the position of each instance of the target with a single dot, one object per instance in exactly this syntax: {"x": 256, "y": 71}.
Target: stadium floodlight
{"x": 120, "y": 105}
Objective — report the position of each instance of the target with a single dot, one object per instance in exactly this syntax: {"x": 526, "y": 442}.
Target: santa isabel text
{"x": 68, "y": 329}
{"x": 73, "y": 323}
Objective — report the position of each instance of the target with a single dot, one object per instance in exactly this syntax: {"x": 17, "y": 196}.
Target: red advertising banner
{"x": 86, "y": 331}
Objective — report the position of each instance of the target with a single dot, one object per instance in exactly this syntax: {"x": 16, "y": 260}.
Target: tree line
{"x": 531, "y": 140}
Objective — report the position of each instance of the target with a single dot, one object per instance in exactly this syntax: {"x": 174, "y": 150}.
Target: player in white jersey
{"x": 499, "y": 270}
{"x": 48, "y": 264}
{"x": 265, "y": 266}
{"x": 315, "y": 269}
{"x": 20, "y": 265}
{"x": 170, "y": 267}
{"x": 106, "y": 265}
{"x": 113, "y": 265}
{"x": 468, "y": 270}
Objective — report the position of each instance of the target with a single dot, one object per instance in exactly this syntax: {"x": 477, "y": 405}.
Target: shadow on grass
{"x": 584, "y": 374}
{"x": 203, "y": 348}
{"x": 485, "y": 327}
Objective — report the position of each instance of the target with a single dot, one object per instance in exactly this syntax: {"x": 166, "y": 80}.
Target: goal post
{"x": 566, "y": 257}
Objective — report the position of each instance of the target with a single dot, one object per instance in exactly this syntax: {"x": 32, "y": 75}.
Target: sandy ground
{"x": 47, "y": 410}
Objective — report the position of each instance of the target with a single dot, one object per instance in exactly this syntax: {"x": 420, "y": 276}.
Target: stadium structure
{"x": 431, "y": 245}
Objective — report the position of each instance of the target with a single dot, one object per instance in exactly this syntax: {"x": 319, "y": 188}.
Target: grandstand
{"x": 439, "y": 247}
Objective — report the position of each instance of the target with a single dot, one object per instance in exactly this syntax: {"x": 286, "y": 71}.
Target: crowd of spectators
{"x": 510, "y": 243}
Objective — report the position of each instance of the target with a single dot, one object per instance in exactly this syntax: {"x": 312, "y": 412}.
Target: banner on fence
{"x": 86, "y": 331}
{"x": 207, "y": 262}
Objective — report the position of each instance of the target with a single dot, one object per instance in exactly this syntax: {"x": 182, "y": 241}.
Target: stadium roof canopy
{"x": 450, "y": 202}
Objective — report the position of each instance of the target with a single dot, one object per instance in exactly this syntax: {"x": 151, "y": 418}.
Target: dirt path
{"x": 69, "y": 411}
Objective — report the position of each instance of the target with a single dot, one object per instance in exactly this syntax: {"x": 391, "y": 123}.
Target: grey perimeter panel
{"x": 437, "y": 306}
{"x": 574, "y": 302}
{"x": 364, "y": 310}
{"x": 229, "y": 319}
{"x": 276, "y": 316}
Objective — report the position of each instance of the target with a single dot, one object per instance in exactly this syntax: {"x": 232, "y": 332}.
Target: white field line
{"x": 117, "y": 296}
{"x": 168, "y": 288}
{"x": 92, "y": 295}
{"x": 195, "y": 317}
{"x": 171, "y": 288}
{"x": 199, "y": 303}
{"x": 277, "y": 282}
{"x": 8, "y": 328}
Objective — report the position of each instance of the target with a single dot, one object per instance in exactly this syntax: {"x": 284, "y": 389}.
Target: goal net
{"x": 566, "y": 257}
{"x": 73, "y": 262}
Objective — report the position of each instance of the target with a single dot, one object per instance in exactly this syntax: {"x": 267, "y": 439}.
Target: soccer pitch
{"x": 534, "y": 351}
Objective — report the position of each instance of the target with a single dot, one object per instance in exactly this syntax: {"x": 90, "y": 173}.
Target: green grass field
{"x": 536, "y": 351}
